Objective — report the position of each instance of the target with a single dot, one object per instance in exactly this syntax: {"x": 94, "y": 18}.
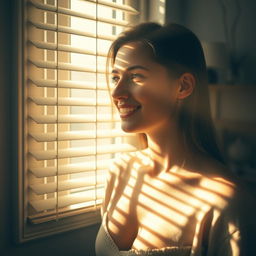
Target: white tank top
{"x": 105, "y": 246}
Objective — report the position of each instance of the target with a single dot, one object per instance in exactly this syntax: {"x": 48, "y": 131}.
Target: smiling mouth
{"x": 128, "y": 111}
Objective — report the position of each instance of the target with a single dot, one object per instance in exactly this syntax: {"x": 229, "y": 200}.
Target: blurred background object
{"x": 216, "y": 57}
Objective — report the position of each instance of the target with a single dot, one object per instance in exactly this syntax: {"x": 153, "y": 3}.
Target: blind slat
{"x": 52, "y": 119}
{"x": 69, "y": 84}
{"x": 51, "y": 187}
{"x": 64, "y": 29}
{"x": 66, "y": 11}
{"x": 50, "y": 101}
{"x": 77, "y": 135}
{"x": 80, "y": 152}
{"x": 66, "y": 66}
{"x": 41, "y": 172}
{"x": 65, "y": 48}
{"x": 64, "y": 201}
{"x": 121, "y": 7}
{"x": 45, "y": 216}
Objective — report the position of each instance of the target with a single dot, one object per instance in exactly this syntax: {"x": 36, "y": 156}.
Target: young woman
{"x": 175, "y": 197}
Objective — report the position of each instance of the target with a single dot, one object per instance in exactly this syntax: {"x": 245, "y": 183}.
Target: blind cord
{"x": 96, "y": 126}
{"x": 57, "y": 114}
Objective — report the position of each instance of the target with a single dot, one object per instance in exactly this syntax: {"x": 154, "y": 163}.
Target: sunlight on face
{"x": 120, "y": 67}
{"x": 144, "y": 87}
{"x": 121, "y": 60}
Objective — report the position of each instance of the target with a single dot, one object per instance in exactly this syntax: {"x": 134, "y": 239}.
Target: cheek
{"x": 152, "y": 95}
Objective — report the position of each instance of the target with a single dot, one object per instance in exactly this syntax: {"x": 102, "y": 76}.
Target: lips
{"x": 126, "y": 111}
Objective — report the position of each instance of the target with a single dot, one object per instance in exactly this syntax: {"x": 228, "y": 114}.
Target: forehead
{"x": 135, "y": 53}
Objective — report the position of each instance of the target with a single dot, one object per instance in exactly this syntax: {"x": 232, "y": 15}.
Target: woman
{"x": 175, "y": 197}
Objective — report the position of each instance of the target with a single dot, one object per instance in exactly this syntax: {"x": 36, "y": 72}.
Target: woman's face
{"x": 143, "y": 91}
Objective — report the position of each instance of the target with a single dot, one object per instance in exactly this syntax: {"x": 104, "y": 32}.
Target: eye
{"x": 137, "y": 78}
{"x": 115, "y": 79}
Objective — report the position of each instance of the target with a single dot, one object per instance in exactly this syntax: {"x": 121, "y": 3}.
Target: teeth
{"x": 126, "y": 111}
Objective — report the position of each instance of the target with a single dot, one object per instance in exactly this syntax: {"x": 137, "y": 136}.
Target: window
{"x": 70, "y": 132}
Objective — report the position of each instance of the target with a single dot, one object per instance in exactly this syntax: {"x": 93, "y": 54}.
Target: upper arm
{"x": 117, "y": 177}
{"x": 110, "y": 184}
{"x": 238, "y": 243}
{"x": 234, "y": 233}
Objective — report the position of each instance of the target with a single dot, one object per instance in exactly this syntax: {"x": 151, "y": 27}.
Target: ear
{"x": 187, "y": 83}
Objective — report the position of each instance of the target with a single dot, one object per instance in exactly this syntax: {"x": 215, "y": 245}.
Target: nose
{"x": 121, "y": 90}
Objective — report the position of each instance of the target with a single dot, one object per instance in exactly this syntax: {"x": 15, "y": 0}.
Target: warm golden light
{"x": 121, "y": 60}
{"x": 166, "y": 205}
{"x": 150, "y": 237}
{"x": 172, "y": 209}
{"x": 217, "y": 186}
{"x": 129, "y": 47}
{"x": 119, "y": 66}
{"x": 117, "y": 215}
{"x": 235, "y": 238}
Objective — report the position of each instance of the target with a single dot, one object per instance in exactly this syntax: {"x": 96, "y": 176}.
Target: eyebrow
{"x": 132, "y": 68}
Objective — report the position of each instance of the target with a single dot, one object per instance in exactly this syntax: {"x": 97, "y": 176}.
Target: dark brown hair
{"x": 179, "y": 50}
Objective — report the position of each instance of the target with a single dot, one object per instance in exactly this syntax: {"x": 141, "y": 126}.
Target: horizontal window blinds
{"x": 72, "y": 132}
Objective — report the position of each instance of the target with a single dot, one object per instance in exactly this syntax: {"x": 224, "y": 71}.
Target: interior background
{"x": 202, "y": 16}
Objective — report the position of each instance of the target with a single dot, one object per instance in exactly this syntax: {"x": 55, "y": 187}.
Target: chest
{"x": 167, "y": 215}
{"x": 156, "y": 213}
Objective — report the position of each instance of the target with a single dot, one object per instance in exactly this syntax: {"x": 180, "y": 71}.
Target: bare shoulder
{"x": 217, "y": 171}
{"x": 222, "y": 181}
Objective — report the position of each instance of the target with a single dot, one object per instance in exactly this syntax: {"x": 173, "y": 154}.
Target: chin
{"x": 129, "y": 128}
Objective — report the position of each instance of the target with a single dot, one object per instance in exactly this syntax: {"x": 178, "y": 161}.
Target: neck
{"x": 167, "y": 148}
